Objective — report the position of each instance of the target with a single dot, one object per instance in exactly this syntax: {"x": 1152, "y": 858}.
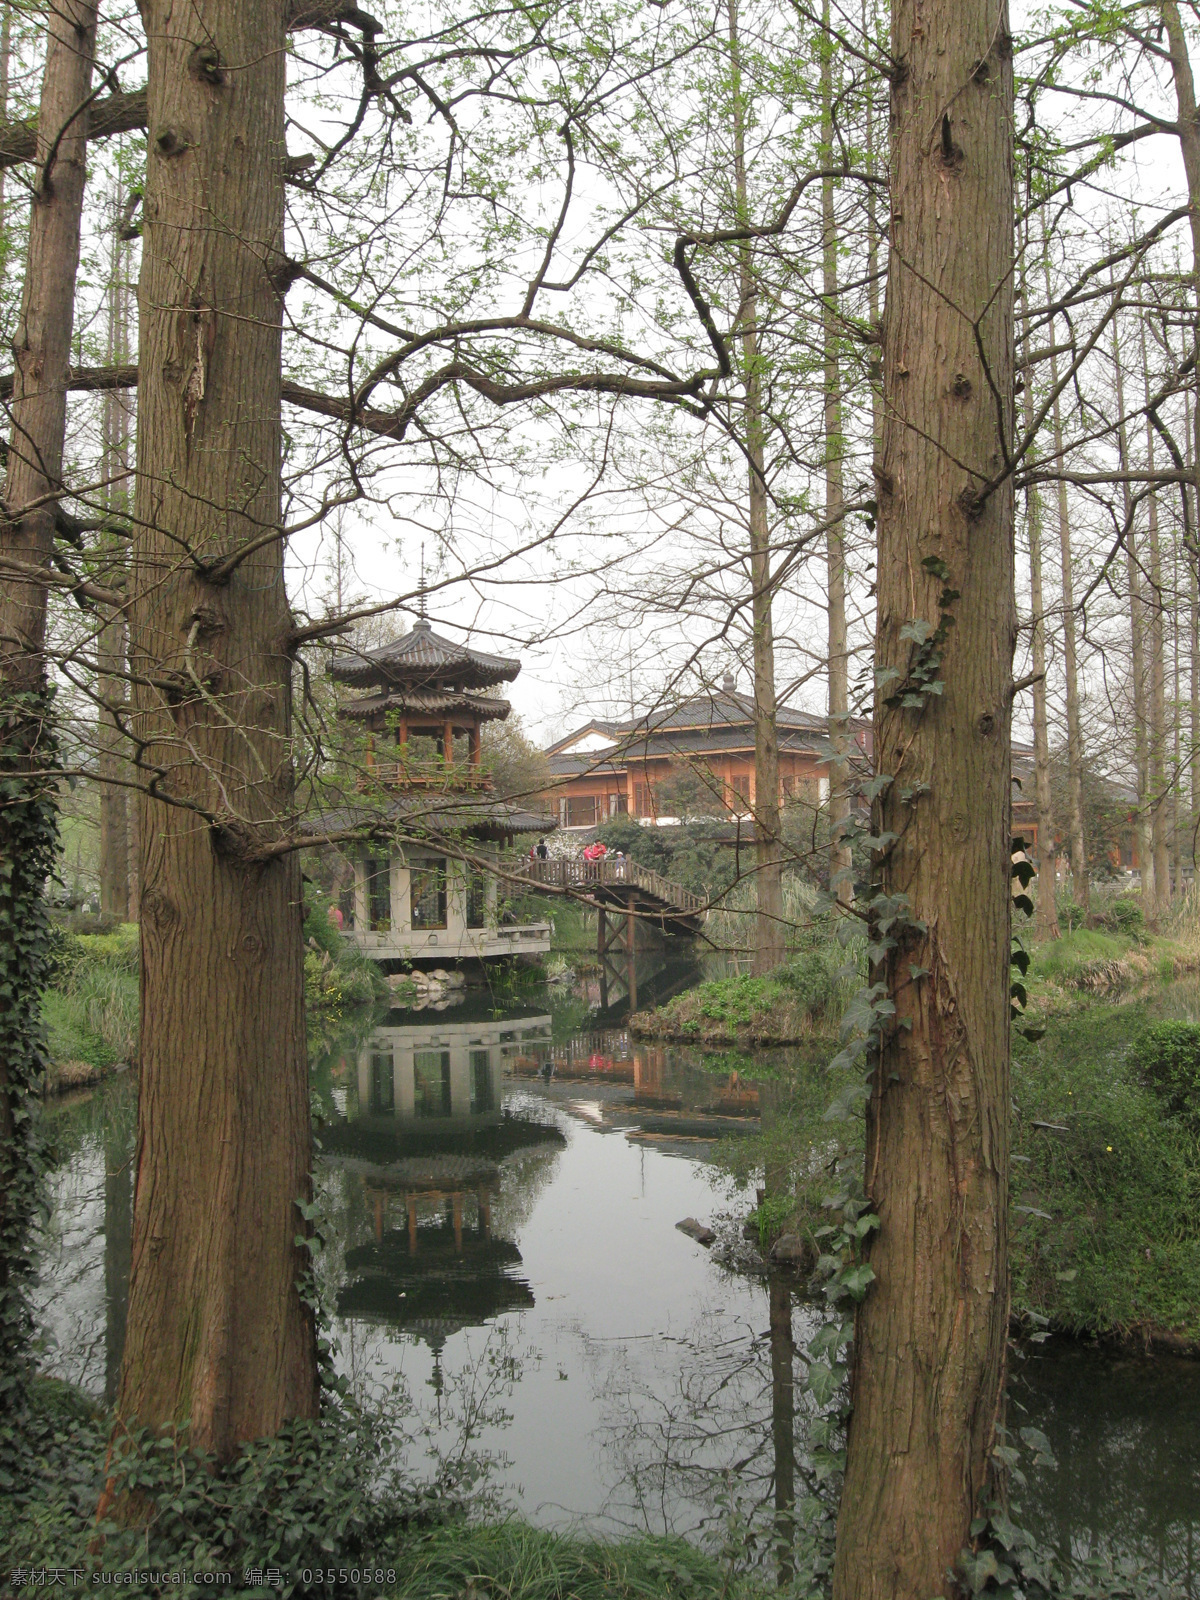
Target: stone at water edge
{"x": 790, "y": 1250}
{"x": 696, "y": 1230}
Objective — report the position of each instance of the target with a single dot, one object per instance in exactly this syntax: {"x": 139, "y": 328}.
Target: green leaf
{"x": 823, "y": 1382}
{"x": 857, "y": 1280}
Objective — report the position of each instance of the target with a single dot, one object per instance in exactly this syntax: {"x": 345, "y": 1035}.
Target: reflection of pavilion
{"x": 429, "y": 1145}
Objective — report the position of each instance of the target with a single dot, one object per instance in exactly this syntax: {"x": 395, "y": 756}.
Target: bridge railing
{"x": 574, "y": 872}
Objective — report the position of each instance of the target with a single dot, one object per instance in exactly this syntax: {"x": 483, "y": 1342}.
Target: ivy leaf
{"x": 918, "y": 630}
{"x": 857, "y": 1280}
{"x": 823, "y": 1382}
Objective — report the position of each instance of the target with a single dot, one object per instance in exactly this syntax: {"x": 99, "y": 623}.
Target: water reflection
{"x": 501, "y": 1209}
{"x": 1125, "y": 1430}
{"x": 649, "y": 1092}
{"x": 423, "y": 1144}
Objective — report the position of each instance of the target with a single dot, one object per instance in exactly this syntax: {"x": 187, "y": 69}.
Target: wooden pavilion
{"x": 423, "y": 702}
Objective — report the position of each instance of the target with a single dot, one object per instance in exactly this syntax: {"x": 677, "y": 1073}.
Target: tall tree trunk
{"x": 769, "y": 942}
{"x": 835, "y": 554}
{"x": 1137, "y": 635}
{"x": 218, "y": 1336}
{"x": 113, "y": 764}
{"x": 42, "y": 344}
{"x": 1047, "y": 896}
{"x": 875, "y": 366}
{"x": 930, "y": 1338}
{"x": 1191, "y": 554}
{"x": 1075, "y": 833}
{"x": 5, "y": 63}
{"x": 1188, "y": 130}
{"x": 1176, "y": 731}
{"x": 42, "y": 351}
{"x": 1156, "y": 639}
{"x": 1047, "y": 899}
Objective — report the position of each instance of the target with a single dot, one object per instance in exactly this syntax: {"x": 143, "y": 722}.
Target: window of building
{"x": 476, "y": 897}
{"x": 643, "y": 799}
{"x": 382, "y": 1090}
{"x": 482, "y": 1098}
{"x": 379, "y": 895}
{"x": 620, "y": 805}
{"x": 739, "y": 792}
{"x": 431, "y": 1083}
{"x": 581, "y": 811}
{"x": 428, "y": 894}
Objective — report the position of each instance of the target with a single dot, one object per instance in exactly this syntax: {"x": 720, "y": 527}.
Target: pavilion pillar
{"x": 448, "y": 743}
{"x": 476, "y": 746}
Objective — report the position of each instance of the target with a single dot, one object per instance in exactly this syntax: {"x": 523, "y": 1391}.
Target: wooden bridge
{"x": 624, "y": 894}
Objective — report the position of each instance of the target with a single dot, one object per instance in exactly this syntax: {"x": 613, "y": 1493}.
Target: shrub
{"x": 1167, "y": 1055}
{"x": 809, "y": 976}
{"x": 1124, "y": 915}
{"x": 91, "y": 1012}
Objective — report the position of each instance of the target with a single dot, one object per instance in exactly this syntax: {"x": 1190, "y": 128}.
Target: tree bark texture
{"x": 1160, "y": 786}
{"x": 112, "y": 677}
{"x": 38, "y": 412}
{"x": 1047, "y": 855}
{"x": 1188, "y": 129}
{"x": 1137, "y": 645}
{"x": 928, "y": 1362}
{"x": 1077, "y": 843}
{"x": 218, "y": 1336}
{"x": 835, "y": 550}
{"x": 1047, "y": 862}
{"x": 42, "y": 343}
{"x": 769, "y": 942}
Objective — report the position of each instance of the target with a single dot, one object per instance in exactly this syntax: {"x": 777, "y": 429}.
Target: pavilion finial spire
{"x": 421, "y": 610}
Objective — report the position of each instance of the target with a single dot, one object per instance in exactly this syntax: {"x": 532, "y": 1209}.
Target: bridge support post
{"x": 631, "y": 954}
{"x": 602, "y": 954}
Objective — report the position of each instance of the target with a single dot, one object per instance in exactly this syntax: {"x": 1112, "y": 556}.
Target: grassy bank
{"x": 1106, "y": 1172}
{"x": 91, "y": 1008}
{"x": 328, "y": 1497}
{"x": 798, "y": 1002}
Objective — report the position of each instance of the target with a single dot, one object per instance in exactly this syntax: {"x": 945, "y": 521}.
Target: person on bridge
{"x": 542, "y": 851}
{"x": 595, "y": 852}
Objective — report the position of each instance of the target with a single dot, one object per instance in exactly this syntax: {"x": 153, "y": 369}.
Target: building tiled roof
{"x": 422, "y": 657}
{"x": 428, "y": 702}
{"x": 711, "y": 717}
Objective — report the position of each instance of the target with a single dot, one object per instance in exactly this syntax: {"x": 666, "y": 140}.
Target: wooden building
{"x": 422, "y": 704}
{"x": 692, "y": 758}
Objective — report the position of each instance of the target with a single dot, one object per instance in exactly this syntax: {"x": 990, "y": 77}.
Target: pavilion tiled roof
{"x": 428, "y": 702}
{"x": 421, "y": 658}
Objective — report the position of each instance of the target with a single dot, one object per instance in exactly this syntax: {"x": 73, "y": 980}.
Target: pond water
{"x": 501, "y": 1194}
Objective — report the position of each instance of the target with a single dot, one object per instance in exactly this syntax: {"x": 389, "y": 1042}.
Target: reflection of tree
{"x": 84, "y": 1243}
{"x": 1128, "y": 1478}
{"x": 118, "y": 1248}
{"x": 730, "y": 1420}
{"x": 524, "y": 1177}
